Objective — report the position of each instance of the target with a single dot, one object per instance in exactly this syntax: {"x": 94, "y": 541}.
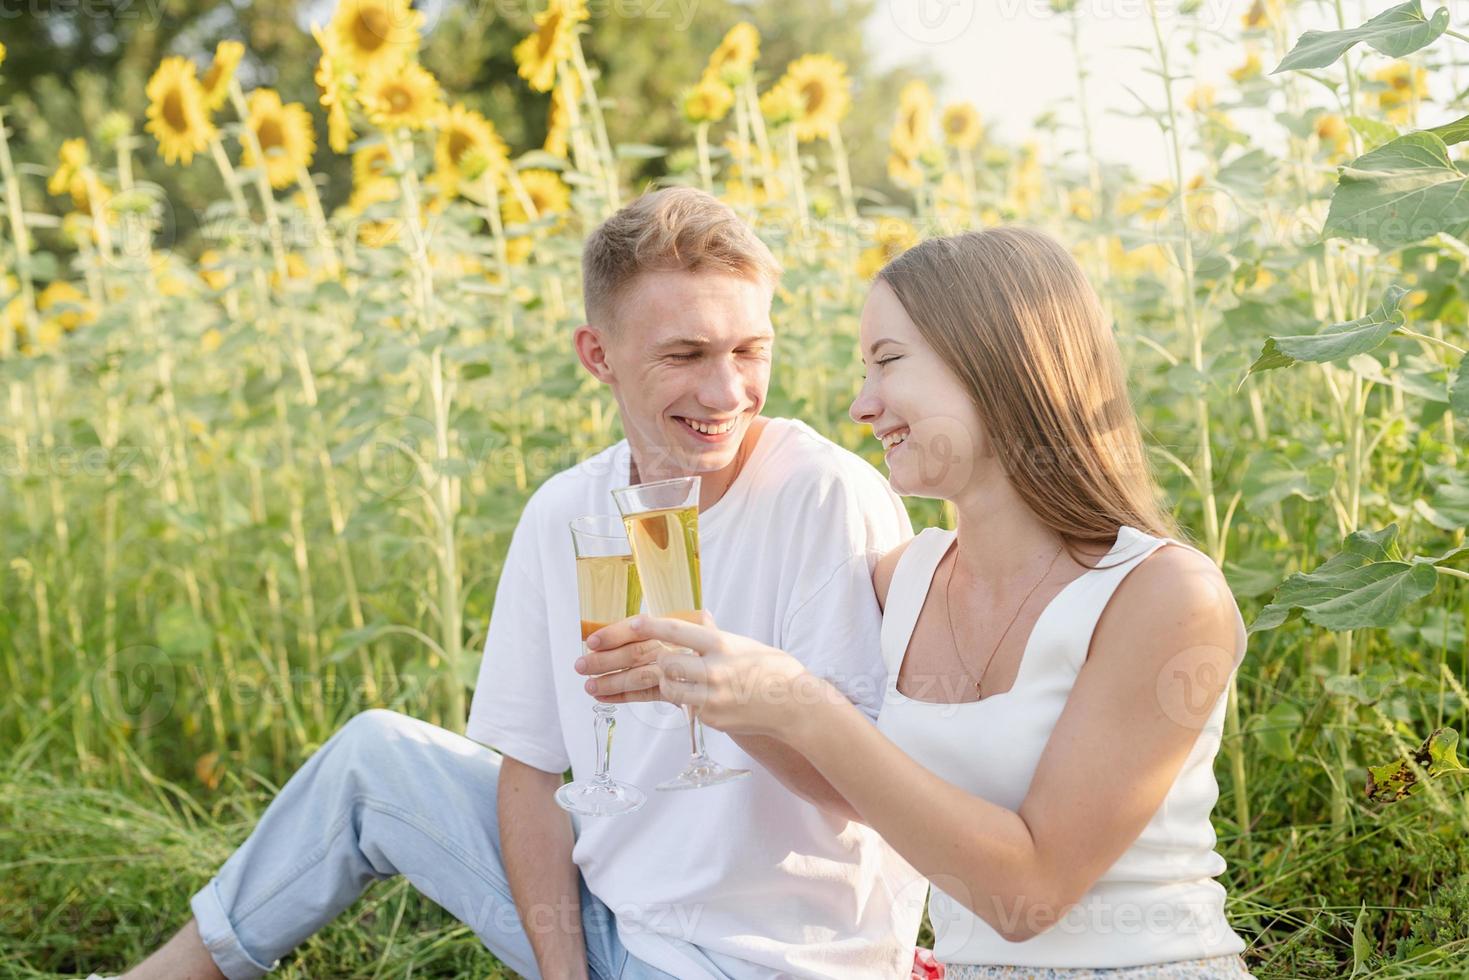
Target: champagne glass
{"x": 607, "y": 589}
{"x": 662, "y": 521}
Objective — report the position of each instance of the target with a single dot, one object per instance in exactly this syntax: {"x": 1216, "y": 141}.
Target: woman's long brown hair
{"x": 1012, "y": 314}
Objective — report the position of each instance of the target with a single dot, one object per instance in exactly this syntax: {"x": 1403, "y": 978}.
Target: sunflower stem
{"x": 250, "y": 141}
{"x": 844, "y": 173}
{"x": 318, "y": 216}
{"x": 589, "y": 92}
{"x": 701, "y": 140}
{"x": 22, "y": 245}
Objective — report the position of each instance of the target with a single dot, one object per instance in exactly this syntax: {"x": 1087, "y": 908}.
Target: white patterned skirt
{"x": 1230, "y": 967}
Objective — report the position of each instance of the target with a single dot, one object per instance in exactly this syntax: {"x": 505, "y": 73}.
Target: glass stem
{"x": 696, "y": 734}
{"x": 604, "y": 723}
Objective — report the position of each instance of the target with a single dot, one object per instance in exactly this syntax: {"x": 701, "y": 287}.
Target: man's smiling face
{"x": 688, "y": 360}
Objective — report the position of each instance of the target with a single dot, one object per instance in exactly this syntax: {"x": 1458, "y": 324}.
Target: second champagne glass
{"x": 607, "y": 590}
{"x": 662, "y": 521}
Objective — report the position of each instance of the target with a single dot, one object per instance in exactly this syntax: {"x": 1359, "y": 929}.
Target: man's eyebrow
{"x": 703, "y": 342}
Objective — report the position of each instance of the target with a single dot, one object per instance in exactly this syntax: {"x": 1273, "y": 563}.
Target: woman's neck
{"x": 1002, "y": 543}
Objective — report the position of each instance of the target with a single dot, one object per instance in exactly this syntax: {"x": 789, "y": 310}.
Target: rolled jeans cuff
{"x": 219, "y": 937}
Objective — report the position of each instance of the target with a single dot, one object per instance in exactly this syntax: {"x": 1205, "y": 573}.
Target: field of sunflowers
{"x": 260, "y": 481}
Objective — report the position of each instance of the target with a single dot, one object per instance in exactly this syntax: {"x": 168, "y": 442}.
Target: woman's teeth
{"x": 893, "y": 438}
{"x": 709, "y": 429}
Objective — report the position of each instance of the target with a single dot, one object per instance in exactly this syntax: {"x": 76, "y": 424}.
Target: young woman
{"x": 1058, "y": 665}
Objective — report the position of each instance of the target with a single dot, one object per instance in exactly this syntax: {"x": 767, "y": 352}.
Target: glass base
{"x": 594, "y": 799}
{"x": 703, "y": 773}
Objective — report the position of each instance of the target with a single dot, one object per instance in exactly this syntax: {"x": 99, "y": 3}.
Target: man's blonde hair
{"x": 674, "y": 229}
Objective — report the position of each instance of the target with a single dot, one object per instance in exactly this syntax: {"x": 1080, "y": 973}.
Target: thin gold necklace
{"x": 949, "y": 613}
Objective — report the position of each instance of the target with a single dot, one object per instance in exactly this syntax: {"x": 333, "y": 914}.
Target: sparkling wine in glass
{"x": 662, "y": 521}
{"x": 607, "y": 589}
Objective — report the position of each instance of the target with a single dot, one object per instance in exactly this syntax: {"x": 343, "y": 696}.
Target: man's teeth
{"x": 710, "y": 430}
{"x": 893, "y": 438}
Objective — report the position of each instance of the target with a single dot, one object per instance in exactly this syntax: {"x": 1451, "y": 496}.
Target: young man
{"x": 742, "y": 880}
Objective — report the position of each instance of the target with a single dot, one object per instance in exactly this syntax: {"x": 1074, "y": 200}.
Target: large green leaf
{"x": 1459, "y": 391}
{"x": 1395, "y": 32}
{"x": 1452, "y": 132}
{"x": 1397, "y": 780}
{"x": 1272, "y": 476}
{"x": 1401, "y": 192}
{"x": 1338, "y": 340}
{"x": 1365, "y": 586}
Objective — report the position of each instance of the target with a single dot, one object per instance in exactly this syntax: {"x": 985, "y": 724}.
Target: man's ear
{"x": 592, "y": 351}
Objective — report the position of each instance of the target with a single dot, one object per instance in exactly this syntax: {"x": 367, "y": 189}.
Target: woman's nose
{"x": 865, "y": 407}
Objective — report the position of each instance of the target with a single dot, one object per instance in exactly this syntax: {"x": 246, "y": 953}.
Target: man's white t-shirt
{"x": 766, "y": 884}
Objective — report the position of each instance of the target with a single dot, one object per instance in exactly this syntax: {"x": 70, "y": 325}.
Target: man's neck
{"x": 712, "y": 486}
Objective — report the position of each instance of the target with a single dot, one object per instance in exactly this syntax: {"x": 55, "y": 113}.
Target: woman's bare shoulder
{"x": 882, "y": 572}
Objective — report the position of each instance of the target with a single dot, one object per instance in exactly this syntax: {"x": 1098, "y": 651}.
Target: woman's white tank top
{"x": 1159, "y": 902}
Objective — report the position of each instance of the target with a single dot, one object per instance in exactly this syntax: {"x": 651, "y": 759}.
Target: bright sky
{"x": 1012, "y": 59}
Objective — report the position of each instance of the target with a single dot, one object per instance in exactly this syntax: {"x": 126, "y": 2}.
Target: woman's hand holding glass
{"x": 739, "y": 685}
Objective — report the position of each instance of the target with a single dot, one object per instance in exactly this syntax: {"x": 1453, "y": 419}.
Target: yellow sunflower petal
{"x": 824, "y": 91}
{"x": 709, "y": 101}
{"x": 216, "y": 81}
{"x": 285, "y": 136}
{"x": 961, "y": 125}
{"x": 373, "y": 34}
{"x": 177, "y": 117}
{"x": 736, "y": 55}
{"x": 467, "y": 142}
{"x": 912, "y": 132}
{"x": 402, "y": 96}
{"x": 539, "y": 54}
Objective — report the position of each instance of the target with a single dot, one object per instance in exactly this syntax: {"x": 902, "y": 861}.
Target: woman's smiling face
{"x": 931, "y": 433}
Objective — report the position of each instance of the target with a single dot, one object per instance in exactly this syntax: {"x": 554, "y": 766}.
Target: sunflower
{"x": 1151, "y": 203}
{"x": 285, "y": 135}
{"x": 820, "y": 81}
{"x": 891, "y": 238}
{"x": 176, "y": 112}
{"x": 904, "y": 171}
{"x": 372, "y": 178}
{"x": 736, "y": 55}
{"x": 467, "y": 142}
{"x": 2, "y": 54}
{"x": 1261, "y": 14}
{"x": 1251, "y": 68}
{"x": 780, "y": 104}
{"x": 67, "y": 307}
{"x": 402, "y": 96}
{"x": 213, "y": 270}
{"x": 72, "y": 159}
{"x": 216, "y": 81}
{"x": 1332, "y": 131}
{"x": 539, "y": 54}
{"x": 961, "y": 125}
{"x": 334, "y": 96}
{"x": 1201, "y": 99}
{"x": 707, "y": 102}
{"x": 373, "y": 34}
{"x": 912, "y": 131}
{"x": 1406, "y": 85}
{"x": 558, "y": 117}
{"x": 547, "y": 193}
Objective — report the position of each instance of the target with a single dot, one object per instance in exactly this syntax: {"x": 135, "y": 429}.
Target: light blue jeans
{"x": 386, "y": 795}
